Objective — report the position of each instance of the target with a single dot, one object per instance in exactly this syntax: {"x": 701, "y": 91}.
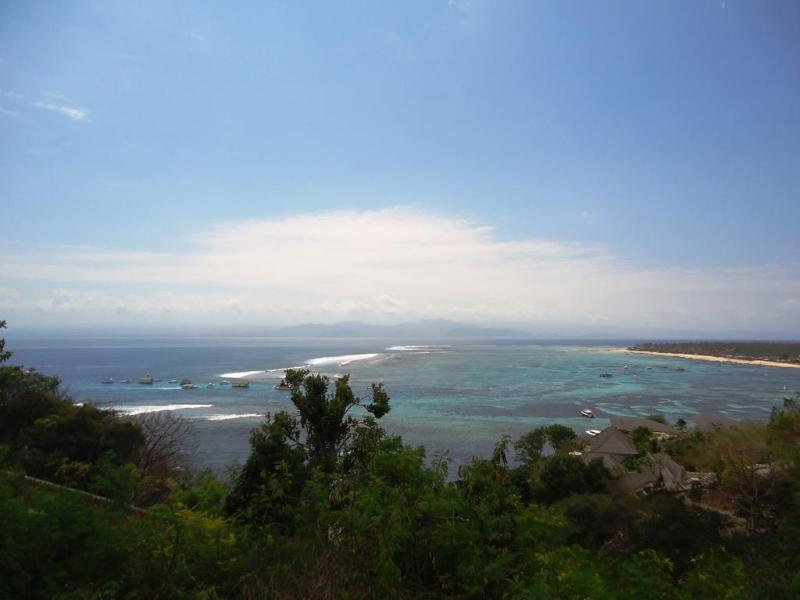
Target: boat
{"x": 592, "y": 432}
{"x": 240, "y": 384}
{"x": 210, "y": 386}
{"x": 680, "y": 369}
{"x": 283, "y": 385}
{"x": 224, "y": 382}
{"x": 173, "y": 381}
{"x": 187, "y": 384}
{"x": 107, "y": 380}
{"x": 587, "y": 413}
{"x": 606, "y": 375}
{"x": 125, "y": 380}
{"x": 146, "y": 379}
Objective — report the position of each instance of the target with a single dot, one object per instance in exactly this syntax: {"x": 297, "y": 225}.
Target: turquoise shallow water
{"x": 458, "y": 397}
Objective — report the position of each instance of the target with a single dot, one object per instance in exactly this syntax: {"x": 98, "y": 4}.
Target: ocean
{"x": 453, "y": 397}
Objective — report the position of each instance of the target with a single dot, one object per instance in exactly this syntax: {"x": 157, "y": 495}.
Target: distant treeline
{"x": 778, "y": 351}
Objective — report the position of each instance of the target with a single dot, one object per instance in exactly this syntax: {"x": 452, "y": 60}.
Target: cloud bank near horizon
{"x": 384, "y": 266}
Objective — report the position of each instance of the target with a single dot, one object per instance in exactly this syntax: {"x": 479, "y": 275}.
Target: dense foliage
{"x": 330, "y": 506}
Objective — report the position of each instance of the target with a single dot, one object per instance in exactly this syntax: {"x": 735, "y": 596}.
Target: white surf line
{"x": 344, "y": 359}
{"x": 140, "y": 410}
{"x": 230, "y": 417}
{"x": 241, "y": 374}
{"x": 416, "y": 348}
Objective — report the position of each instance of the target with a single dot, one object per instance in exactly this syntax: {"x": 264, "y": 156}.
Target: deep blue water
{"x": 459, "y": 397}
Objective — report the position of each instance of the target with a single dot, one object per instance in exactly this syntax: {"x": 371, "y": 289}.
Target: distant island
{"x": 776, "y": 354}
{"x": 426, "y": 328}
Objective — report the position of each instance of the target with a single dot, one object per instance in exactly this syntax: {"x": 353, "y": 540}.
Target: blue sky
{"x": 658, "y": 142}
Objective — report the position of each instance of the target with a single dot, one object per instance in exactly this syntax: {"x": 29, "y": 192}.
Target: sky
{"x": 559, "y": 166}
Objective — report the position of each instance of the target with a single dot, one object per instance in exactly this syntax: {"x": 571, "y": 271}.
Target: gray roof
{"x": 612, "y": 441}
{"x": 631, "y": 423}
{"x": 633, "y": 480}
{"x": 612, "y": 462}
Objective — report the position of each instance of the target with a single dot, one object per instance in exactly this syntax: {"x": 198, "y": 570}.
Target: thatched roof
{"x": 631, "y": 423}
{"x": 612, "y": 441}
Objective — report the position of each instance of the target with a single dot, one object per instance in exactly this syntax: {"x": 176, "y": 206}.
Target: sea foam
{"x": 229, "y": 417}
{"x": 417, "y": 348}
{"x": 344, "y": 359}
{"x": 241, "y": 374}
{"x": 140, "y": 410}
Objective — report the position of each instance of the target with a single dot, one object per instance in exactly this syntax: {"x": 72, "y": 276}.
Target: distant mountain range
{"x": 427, "y": 328}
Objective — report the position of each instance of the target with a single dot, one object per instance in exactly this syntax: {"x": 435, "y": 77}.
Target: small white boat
{"x": 187, "y": 384}
{"x": 125, "y": 381}
{"x": 592, "y": 432}
{"x": 210, "y": 386}
{"x": 283, "y": 385}
{"x": 224, "y": 382}
{"x": 587, "y": 413}
{"x": 241, "y": 384}
{"x": 146, "y": 379}
{"x": 109, "y": 380}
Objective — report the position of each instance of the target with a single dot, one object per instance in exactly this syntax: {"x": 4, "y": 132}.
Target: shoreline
{"x": 722, "y": 359}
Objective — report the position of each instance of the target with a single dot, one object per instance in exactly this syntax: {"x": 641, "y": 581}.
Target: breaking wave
{"x": 229, "y": 417}
{"x": 241, "y": 374}
{"x": 140, "y": 410}
{"x": 344, "y": 359}
{"x": 418, "y": 348}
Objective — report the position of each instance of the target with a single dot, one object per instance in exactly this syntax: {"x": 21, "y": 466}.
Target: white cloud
{"x": 396, "y": 264}
{"x": 8, "y": 113}
{"x": 76, "y": 113}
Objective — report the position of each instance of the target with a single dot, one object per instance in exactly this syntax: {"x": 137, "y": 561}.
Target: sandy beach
{"x": 722, "y": 359}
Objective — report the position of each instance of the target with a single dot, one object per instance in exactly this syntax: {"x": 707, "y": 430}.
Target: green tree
{"x": 559, "y": 436}
{"x": 642, "y": 437}
{"x": 325, "y": 418}
{"x": 564, "y": 475}
{"x": 4, "y": 354}
{"x": 287, "y": 450}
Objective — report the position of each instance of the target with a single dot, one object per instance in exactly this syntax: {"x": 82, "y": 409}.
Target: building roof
{"x": 631, "y": 423}
{"x": 612, "y": 441}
